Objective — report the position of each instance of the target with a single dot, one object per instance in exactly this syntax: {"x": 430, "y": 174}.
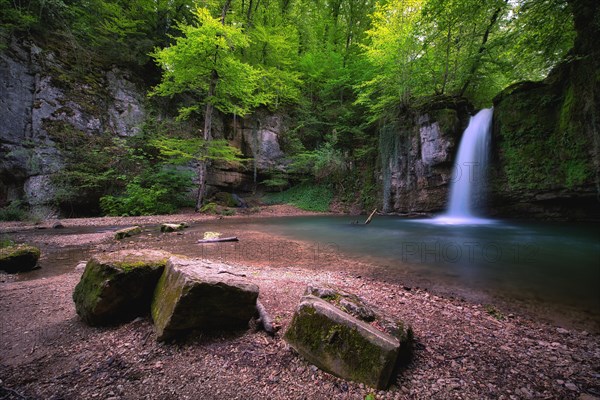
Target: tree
{"x": 205, "y": 63}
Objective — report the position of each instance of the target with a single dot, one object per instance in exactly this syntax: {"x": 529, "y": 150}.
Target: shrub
{"x": 306, "y": 196}
{"x": 159, "y": 193}
{"x": 13, "y": 212}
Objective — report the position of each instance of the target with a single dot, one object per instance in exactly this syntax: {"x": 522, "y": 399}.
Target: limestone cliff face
{"x": 43, "y": 101}
{"x": 258, "y": 138}
{"x": 35, "y": 106}
{"x": 420, "y": 167}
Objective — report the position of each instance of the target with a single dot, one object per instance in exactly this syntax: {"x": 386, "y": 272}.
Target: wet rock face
{"x": 195, "y": 295}
{"x": 341, "y": 334}
{"x": 118, "y": 286}
{"x": 421, "y": 169}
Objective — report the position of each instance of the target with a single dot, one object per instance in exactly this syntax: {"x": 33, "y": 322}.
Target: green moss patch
{"x": 116, "y": 287}
{"x": 18, "y": 258}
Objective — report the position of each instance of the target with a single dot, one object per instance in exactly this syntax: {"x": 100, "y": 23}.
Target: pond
{"x": 544, "y": 263}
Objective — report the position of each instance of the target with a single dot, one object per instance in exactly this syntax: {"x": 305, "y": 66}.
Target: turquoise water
{"x": 552, "y": 264}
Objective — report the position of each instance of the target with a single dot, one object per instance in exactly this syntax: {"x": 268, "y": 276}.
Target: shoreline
{"x": 463, "y": 349}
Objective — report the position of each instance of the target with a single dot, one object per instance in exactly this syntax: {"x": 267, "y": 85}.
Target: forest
{"x": 341, "y": 71}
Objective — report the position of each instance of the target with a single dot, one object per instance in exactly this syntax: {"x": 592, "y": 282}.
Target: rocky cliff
{"x": 420, "y": 157}
{"x": 39, "y": 102}
{"x": 547, "y": 135}
{"x": 49, "y": 109}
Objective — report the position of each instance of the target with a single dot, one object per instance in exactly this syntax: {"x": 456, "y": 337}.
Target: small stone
{"x": 127, "y": 232}
{"x": 173, "y": 227}
{"x": 560, "y": 382}
{"x": 562, "y": 331}
{"x": 571, "y": 386}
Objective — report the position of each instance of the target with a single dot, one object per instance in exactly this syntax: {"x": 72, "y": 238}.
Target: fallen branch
{"x": 264, "y": 319}
{"x": 368, "y": 221}
{"x": 216, "y": 240}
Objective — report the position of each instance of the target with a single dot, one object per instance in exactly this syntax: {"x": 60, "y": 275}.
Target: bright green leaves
{"x": 460, "y": 47}
{"x": 211, "y": 50}
{"x": 181, "y": 151}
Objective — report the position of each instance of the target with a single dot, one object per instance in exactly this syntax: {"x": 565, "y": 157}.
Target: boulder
{"x": 126, "y": 232}
{"x": 18, "y": 258}
{"x": 117, "y": 287}
{"x": 173, "y": 227}
{"x": 198, "y": 295}
{"x": 324, "y": 332}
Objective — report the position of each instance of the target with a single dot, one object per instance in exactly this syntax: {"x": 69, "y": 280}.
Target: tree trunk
{"x": 482, "y": 48}
{"x": 202, "y": 168}
{"x": 206, "y": 135}
{"x": 208, "y": 113}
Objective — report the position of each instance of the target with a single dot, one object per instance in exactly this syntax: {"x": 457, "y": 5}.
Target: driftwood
{"x": 216, "y": 240}
{"x": 264, "y": 319}
{"x": 368, "y": 221}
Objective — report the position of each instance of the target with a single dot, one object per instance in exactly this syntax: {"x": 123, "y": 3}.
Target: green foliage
{"x": 181, "y": 151}
{"x": 306, "y": 196}
{"x": 325, "y": 164}
{"x": 91, "y": 165}
{"x": 278, "y": 180}
{"x": 162, "y": 192}
{"x": 13, "y": 212}
{"x": 494, "y": 312}
{"x": 209, "y": 208}
{"x": 419, "y": 48}
{"x": 6, "y": 241}
{"x": 205, "y": 50}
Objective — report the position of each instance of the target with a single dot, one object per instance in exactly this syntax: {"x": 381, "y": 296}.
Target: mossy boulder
{"x": 19, "y": 258}
{"x": 116, "y": 287}
{"x": 345, "y": 345}
{"x": 196, "y": 295}
{"x": 173, "y": 227}
{"x": 127, "y": 232}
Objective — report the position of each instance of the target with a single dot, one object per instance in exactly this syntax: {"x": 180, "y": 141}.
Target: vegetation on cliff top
{"x": 341, "y": 69}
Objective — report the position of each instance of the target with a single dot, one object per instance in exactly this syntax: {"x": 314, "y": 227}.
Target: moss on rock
{"x": 127, "y": 232}
{"x": 344, "y": 345}
{"x": 118, "y": 286}
{"x": 18, "y": 258}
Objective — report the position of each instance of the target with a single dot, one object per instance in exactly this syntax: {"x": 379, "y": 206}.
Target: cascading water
{"x": 467, "y": 192}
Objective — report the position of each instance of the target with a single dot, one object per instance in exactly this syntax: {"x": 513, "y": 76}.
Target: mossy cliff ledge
{"x": 19, "y": 258}
{"x": 117, "y": 287}
{"x": 547, "y": 135}
{"x": 198, "y": 295}
{"x": 342, "y": 335}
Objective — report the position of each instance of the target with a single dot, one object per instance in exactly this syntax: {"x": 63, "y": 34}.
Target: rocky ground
{"x": 463, "y": 350}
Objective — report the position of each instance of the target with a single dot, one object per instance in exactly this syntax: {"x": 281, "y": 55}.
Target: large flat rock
{"x": 198, "y": 295}
{"x": 118, "y": 286}
{"x": 342, "y": 344}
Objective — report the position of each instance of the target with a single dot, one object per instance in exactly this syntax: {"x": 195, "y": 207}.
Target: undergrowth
{"x": 309, "y": 197}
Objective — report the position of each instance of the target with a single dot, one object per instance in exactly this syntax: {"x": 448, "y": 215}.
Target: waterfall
{"x": 468, "y": 186}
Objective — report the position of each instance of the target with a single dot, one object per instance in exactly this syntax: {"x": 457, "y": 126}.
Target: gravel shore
{"x": 463, "y": 350}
